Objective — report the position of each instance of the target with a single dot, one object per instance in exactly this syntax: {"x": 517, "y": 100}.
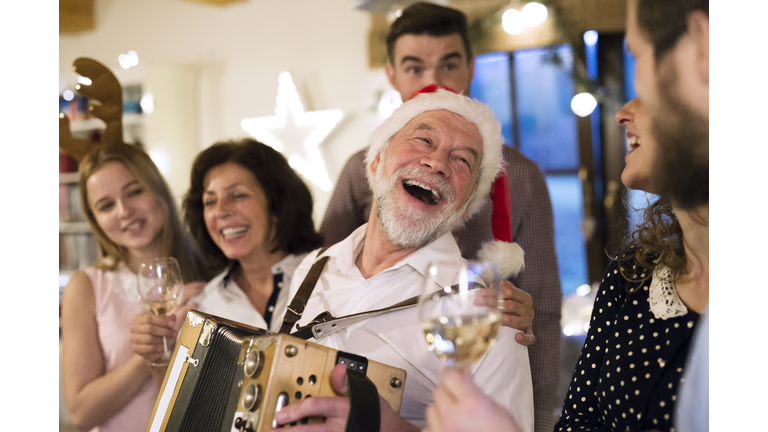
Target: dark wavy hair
{"x": 289, "y": 200}
{"x": 658, "y": 240}
{"x": 431, "y": 19}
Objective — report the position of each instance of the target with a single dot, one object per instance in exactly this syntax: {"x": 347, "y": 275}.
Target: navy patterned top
{"x": 631, "y": 363}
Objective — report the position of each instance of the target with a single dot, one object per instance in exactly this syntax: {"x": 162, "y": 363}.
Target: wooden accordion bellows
{"x": 227, "y": 376}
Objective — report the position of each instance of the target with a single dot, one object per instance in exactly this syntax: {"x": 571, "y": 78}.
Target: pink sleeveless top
{"x": 117, "y": 304}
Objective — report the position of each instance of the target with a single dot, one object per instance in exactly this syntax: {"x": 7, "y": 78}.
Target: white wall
{"x": 229, "y": 57}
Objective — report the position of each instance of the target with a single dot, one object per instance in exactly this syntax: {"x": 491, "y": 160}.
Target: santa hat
{"x": 507, "y": 255}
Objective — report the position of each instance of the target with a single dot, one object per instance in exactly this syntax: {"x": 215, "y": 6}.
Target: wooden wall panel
{"x": 568, "y": 19}
{"x": 75, "y": 16}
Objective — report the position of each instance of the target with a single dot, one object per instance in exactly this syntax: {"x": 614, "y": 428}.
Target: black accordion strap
{"x": 296, "y": 308}
{"x": 364, "y": 407}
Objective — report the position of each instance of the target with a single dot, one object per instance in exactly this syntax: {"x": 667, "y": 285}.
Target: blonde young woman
{"x": 133, "y": 215}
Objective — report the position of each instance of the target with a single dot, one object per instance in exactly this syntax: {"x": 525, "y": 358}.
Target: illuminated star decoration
{"x": 296, "y": 133}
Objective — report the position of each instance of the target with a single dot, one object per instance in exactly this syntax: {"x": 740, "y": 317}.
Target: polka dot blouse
{"x": 631, "y": 363}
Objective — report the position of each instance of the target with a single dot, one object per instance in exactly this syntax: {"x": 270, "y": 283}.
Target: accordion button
{"x": 253, "y": 363}
{"x": 291, "y": 351}
{"x": 251, "y": 397}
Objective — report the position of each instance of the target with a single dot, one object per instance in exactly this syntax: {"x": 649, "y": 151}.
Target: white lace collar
{"x": 665, "y": 303}
{"x": 124, "y": 282}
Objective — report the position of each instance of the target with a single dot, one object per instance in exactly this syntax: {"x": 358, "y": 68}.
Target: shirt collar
{"x": 443, "y": 249}
{"x": 288, "y": 264}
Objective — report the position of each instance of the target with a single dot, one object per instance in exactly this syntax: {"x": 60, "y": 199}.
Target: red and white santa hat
{"x": 507, "y": 255}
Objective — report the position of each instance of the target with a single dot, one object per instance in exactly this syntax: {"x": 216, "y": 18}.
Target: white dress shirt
{"x": 396, "y": 338}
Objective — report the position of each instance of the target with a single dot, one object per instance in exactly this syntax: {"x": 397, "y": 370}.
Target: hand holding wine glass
{"x": 160, "y": 287}
{"x": 457, "y": 330}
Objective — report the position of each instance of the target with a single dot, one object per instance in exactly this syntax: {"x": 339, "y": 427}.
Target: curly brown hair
{"x": 658, "y": 240}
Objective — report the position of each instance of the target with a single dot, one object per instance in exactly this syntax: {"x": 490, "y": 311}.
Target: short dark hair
{"x": 664, "y": 21}
{"x": 289, "y": 200}
{"x": 428, "y": 18}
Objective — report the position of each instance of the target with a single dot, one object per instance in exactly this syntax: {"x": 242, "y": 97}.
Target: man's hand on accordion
{"x": 335, "y": 410}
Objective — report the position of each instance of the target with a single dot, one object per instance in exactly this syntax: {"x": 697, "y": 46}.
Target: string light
{"x": 534, "y": 14}
{"x": 296, "y": 133}
{"x": 590, "y": 37}
{"x": 514, "y": 21}
{"x": 583, "y": 104}
{"x": 129, "y": 60}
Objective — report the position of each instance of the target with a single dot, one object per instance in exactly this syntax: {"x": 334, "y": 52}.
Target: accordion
{"x": 227, "y": 376}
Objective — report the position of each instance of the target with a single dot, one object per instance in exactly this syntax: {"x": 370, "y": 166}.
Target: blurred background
{"x": 195, "y": 72}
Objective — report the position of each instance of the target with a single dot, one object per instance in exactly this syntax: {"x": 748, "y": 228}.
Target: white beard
{"x": 407, "y": 226}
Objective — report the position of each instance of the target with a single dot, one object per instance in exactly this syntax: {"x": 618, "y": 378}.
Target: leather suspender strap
{"x": 296, "y": 308}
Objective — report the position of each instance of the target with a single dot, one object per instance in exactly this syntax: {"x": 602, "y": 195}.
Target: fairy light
{"x": 590, "y": 37}
{"x": 583, "y": 104}
{"x": 514, "y": 21}
{"x": 296, "y": 133}
{"x": 534, "y": 14}
{"x": 129, "y": 60}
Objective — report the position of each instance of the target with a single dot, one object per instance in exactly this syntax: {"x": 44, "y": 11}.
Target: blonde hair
{"x": 174, "y": 240}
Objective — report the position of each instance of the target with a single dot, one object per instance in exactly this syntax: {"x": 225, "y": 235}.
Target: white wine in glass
{"x": 160, "y": 288}
{"x": 456, "y": 330}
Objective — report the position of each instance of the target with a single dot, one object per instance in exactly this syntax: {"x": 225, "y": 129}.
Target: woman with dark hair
{"x": 630, "y": 367}
{"x": 133, "y": 215}
{"x": 251, "y": 215}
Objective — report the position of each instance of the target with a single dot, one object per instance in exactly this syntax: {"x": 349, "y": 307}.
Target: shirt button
{"x": 271, "y": 308}
{"x": 368, "y": 284}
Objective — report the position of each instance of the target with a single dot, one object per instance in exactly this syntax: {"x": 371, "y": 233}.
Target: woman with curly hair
{"x": 645, "y": 312}
{"x": 646, "y": 309}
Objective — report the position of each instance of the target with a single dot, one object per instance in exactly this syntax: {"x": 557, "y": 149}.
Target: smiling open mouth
{"x": 421, "y": 192}
{"x": 233, "y": 232}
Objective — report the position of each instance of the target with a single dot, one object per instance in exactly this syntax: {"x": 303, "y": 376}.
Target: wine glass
{"x": 160, "y": 288}
{"x": 456, "y": 330}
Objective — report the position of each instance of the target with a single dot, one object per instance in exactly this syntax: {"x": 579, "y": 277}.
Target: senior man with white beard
{"x": 431, "y": 165}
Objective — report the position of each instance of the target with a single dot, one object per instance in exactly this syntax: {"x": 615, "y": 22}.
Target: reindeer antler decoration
{"x": 105, "y": 90}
